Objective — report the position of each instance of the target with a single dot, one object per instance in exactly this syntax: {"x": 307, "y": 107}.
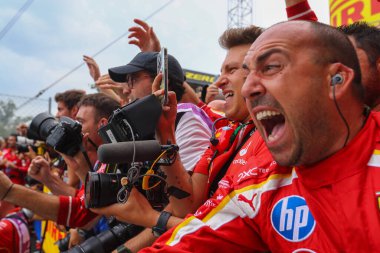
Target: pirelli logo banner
{"x": 199, "y": 78}
{"x": 344, "y": 12}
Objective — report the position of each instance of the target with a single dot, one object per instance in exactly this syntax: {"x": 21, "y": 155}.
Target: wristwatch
{"x": 160, "y": 227}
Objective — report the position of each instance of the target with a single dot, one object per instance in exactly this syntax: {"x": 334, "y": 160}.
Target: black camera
{"x": 134, "y": 121}
{"x": 102, "y": 189}
{"x": 64, "y": 136}
{"x": 22, "y": 144}
{"x": 23, "y": 148}
{"x": 63, "y": 244}
{"x": 108, "y": 240}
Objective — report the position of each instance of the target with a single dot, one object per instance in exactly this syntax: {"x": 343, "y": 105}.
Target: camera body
{"x": 22, "y": 144}
{"x": 134, "y": 121}
{"x": 64, "y": 136}
{"x": 101, "y": 189}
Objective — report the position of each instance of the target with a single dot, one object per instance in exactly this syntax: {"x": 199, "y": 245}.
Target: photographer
{"x": 192, "y": 129}
{"x": 94, "y": 110}
{"x": 67, "y": 105}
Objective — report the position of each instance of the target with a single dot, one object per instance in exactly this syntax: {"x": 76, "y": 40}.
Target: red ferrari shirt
{"x": 332, "y": 206}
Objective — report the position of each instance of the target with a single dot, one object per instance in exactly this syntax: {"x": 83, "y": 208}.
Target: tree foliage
{"x": 8, "y": 121}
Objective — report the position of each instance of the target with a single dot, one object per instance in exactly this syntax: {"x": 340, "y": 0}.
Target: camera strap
{"x": 84, "y": 152}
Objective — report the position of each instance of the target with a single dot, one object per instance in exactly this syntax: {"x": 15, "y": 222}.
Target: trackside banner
{"x": 199, "y": 78}
{"x": 344, "y": 12}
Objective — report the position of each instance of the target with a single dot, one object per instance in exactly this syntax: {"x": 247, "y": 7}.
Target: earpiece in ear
{"x": 337, "y": 79}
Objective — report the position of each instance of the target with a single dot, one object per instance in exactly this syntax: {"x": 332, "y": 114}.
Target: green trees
{"x": 8, "y": 120}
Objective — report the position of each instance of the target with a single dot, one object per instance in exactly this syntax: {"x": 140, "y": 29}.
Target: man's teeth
{"x": 229, "y": 94}
{"x": 266, "y": 114}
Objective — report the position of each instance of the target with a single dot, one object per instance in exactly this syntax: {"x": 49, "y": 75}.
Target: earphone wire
{"x": 341, "y": 116}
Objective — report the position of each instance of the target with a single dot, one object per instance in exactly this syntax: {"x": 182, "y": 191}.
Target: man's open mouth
{"x": 228, "y": 94}
{"x": 273, "y": 123}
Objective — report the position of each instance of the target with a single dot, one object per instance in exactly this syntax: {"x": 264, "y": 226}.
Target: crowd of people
{"x": 290, "y": 165}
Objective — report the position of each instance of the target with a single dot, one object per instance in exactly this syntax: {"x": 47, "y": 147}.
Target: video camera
{"x": 134, "y": 121}
{"x": 64, "y": 136}
{"x": 133, "y": 126}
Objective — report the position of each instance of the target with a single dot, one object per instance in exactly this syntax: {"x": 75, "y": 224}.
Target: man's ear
{"x": 378, "y": 65}
{"x": 102, "y": 122}
{"x": 340, "y": 79}
{"x": 74, "y": 111}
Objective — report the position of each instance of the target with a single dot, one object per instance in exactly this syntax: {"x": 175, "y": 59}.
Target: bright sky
{"x": 51, "y": 36}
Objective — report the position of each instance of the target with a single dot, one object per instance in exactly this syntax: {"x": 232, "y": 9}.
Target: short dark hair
{"x": 367, "y": 37}
{"x": 334, "y": 46}
{"x": 13, "y": 135}
{"x": 239, "y": 36}
{"x": 70, "y": 97}
{"x": 103, "y": 104}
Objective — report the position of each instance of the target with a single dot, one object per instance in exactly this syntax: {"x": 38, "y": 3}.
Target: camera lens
{"x": 41, "y": 126}
{"x": 101, "y": 189}
{"x": 107, "y": 240}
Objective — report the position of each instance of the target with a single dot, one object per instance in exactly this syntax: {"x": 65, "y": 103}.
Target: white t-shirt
{"x": 193, "y": 134}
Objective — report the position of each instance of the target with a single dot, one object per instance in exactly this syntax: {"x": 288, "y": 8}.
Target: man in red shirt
{"x": 320, "y": 191}
{"x": 94, "y": 110}
{"x": 14, "y": 164}
{"x": 14, "y": 233}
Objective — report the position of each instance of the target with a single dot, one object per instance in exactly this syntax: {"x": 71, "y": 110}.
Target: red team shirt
{"x": 332, "y": 206}
{"x": 14, "y": 235}
{"x": 18, "y": 174}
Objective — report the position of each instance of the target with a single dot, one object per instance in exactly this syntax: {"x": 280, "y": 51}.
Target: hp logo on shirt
{"x": 292, "y": 219}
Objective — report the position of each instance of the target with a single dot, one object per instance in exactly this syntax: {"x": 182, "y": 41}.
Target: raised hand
{"x": 39, "y": 169}
{"x": 211, "y": 93}
{"x": 116, "y": 90}
{"x": 166, "y": 123}
{"x": 144, "y": 37}
{"x": 92, "y": 67}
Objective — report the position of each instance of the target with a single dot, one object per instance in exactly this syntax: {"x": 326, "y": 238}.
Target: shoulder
{"x": 192, "y": 112}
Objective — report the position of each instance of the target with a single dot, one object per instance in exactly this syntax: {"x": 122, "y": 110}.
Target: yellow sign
{"x": 345, "y": 12}
{"x": 199, "y": 77}
{"x": 52, "y": 234}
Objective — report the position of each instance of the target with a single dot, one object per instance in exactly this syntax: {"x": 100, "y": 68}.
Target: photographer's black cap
{"x": 147, "y": 61}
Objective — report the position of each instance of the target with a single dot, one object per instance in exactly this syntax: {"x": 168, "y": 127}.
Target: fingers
{"x": 88, "y": 59}
{"x": 172, "y": 98}
{"x": 105, "y": 82}
{"x": 136, "y": 32}
{"x": 141, "y": 23}
{"x": 156, "y": 84}
{"x": 134, "y": 42}
{"x": 172, "y": 102}
{"x": 37, "y": 164}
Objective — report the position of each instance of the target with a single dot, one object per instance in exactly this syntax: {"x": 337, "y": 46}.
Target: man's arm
{"x": 299, "y": 10}
{"x": 189, "y": 96}
{"x": 42, "y": 204}
{"x": 39, "y": 169}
